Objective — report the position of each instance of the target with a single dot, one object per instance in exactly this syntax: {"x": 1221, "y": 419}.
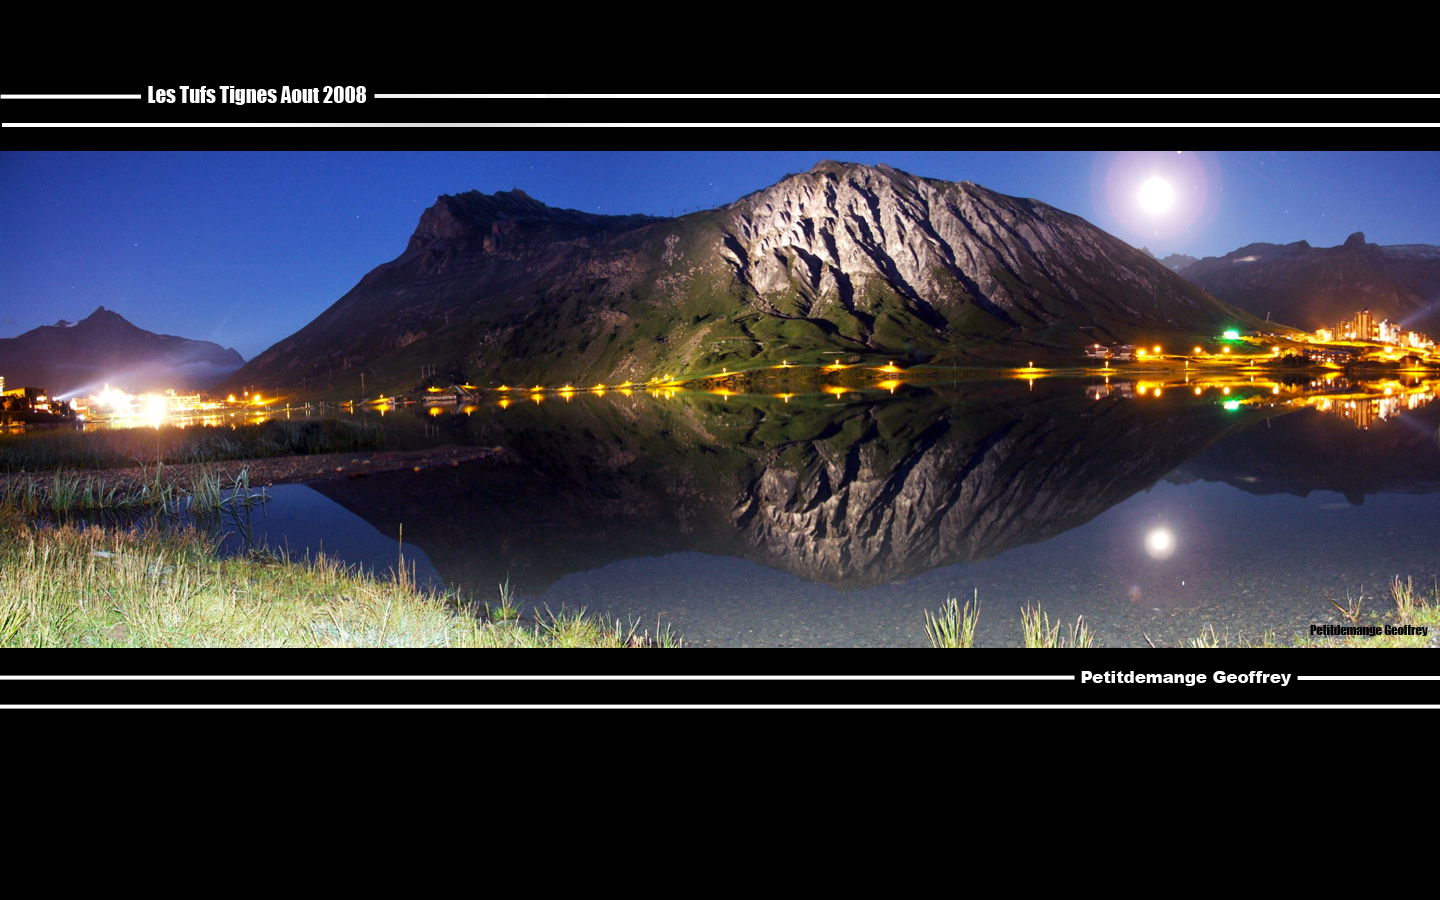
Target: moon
{"x": 1156, "y": 196}
{"x": 1160, "y": 543}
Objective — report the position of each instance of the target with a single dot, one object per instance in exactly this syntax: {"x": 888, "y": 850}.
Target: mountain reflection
{"x": 856, "y": 489}
{"x": 1358, "y": 438}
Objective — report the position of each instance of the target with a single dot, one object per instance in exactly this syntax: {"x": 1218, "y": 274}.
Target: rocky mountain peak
{"x": 475, "y": 216}
{"x": 842, "y": 230}
{"x": 101, "y": 314}
{"x": 1313, "y": 287}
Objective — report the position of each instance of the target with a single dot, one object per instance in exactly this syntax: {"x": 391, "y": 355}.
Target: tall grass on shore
{"x": 113, "y": 587}
{"x": 953, "y": 625}
{"x": 53, "y": 449}
{"x": 1413, "y": 609}
{"x": 1037, "y": 631}
{"x": 64, "y": 494}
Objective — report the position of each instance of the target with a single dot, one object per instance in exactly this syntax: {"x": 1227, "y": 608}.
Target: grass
{"x": 52, "y": 449}
{"x": 506, "y": 609}
{"x": 953, "y": 625}
{"x": 112, "y": 587}
{"x": 1037, "y": 631}
{"x": 1409, "y": 607}
{"x": 64, "y": 494}
{"x": 1209, "y": 639}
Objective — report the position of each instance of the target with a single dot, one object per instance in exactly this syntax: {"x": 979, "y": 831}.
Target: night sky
{"x": 245, "y": 248}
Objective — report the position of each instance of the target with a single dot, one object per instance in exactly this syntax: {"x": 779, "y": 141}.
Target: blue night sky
{"x": 245, "y": 248}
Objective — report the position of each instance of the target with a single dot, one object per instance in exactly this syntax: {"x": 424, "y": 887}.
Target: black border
{"x": 1263, "y": 124}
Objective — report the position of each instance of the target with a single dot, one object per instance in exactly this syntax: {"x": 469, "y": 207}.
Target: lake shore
{"x": 273, "y": 470}
{"x": 94, "y": 586}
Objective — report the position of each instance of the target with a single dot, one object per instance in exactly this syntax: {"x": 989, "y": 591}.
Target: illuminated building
{"x": 1364, "y": 325}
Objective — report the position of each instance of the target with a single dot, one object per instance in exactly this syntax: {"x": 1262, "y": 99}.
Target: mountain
{"x": 844, "y": 260}
{"x": 1178, "y": 262}
{"x": 1314, "y": 287}
{"x": 66, "y": 357}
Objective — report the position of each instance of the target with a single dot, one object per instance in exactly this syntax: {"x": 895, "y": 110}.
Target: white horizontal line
{"x": 70, "y": 97}
{"x": 510, "y": 677}
{"x": 1367, "y": 677}
{"x": 902, "y": 96}
{"x": 722, "y": 124}
{"x": 718, "y": 706}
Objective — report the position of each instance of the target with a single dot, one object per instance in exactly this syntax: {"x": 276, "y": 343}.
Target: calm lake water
{"x": 838, "y": 520}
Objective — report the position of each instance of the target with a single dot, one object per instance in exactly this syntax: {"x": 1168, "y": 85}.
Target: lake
{"x": 1151, "y": 508}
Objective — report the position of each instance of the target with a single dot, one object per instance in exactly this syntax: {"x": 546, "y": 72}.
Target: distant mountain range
{"x": 1177, "y": 262}
{"x": 844, "y": 261}
{"x": 67, "y": 357}
{"x": 1314, "y": 287}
